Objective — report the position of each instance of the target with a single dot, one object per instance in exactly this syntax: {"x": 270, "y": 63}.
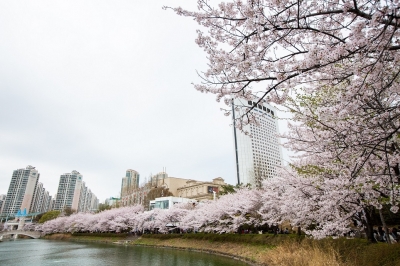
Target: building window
{"x": 162, "y": 204}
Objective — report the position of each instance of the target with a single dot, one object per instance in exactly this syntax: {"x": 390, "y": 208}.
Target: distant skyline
{"x": 101, "y": 87}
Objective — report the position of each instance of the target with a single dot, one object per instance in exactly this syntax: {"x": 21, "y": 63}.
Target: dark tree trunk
{"x": 384, "y": 226}
{"x": 369, "y": 230}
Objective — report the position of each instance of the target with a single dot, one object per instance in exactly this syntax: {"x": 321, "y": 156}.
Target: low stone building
{"x": 178, "y": 187}
{"x": 172, "y": 183}
{"x": 201, "y": 190}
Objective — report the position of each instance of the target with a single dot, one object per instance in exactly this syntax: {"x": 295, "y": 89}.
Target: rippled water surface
{"x": 35, "y": 252}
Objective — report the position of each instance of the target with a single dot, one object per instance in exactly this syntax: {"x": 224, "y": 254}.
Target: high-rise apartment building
{"x": 73, "y": 193}
{"x": 2, "y": 201}
{"x": 21, "y": 191}
{"x": 257, "y": 149}
{"x": 41, "y": 199}
{"x": 88, "y": 201}
{"x": 83, "y": 198}
{"x": 47, "y": 200}
{"x": 130, "y": 182}
{"x": 69, "y": 191}
{"x": 52, "y": 202}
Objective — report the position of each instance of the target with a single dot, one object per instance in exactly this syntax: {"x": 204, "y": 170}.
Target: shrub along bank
{"x": 88, "y": 237}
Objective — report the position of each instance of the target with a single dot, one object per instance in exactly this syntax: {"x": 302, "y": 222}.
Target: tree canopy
{"x": 50, "y": 215}
{"x": 336, "y": 66}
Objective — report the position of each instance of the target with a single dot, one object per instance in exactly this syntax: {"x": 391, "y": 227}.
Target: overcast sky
{"x": 104, "y": 86}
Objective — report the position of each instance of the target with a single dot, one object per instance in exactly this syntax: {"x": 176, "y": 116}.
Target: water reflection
{"x": 35, "y": 252}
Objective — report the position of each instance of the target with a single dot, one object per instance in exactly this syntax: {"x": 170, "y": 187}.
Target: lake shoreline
{"x": 149, "y": 242}
{"x": 260, "y": 249}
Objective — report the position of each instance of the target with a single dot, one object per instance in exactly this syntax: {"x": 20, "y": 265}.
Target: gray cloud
{"x": 101, "y": 87}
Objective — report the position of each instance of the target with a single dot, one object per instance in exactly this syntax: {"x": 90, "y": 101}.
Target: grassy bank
{"x": 266, "y": 249}
{"x": 284, "y": 249}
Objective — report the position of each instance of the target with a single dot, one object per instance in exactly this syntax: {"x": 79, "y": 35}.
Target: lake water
{"x": 35, "y": 252}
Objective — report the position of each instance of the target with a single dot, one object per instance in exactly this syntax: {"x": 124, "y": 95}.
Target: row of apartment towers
{"x": 27, "y": 193}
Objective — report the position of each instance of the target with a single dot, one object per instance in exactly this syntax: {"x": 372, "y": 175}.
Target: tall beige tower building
{"x": 130, "y": 182}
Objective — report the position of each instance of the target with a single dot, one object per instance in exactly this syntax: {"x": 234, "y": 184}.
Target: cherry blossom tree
{"x": 114, "y": 220}
{"x": 341, "y": 58}
{"x": 322, "y": 207}
{"x": 224, "y": 215}
{"x": 349, "y": 159}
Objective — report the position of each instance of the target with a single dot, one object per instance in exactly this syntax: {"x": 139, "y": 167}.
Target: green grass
{"x": 257, "y": 239}
{"x": 349, "y": 251}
